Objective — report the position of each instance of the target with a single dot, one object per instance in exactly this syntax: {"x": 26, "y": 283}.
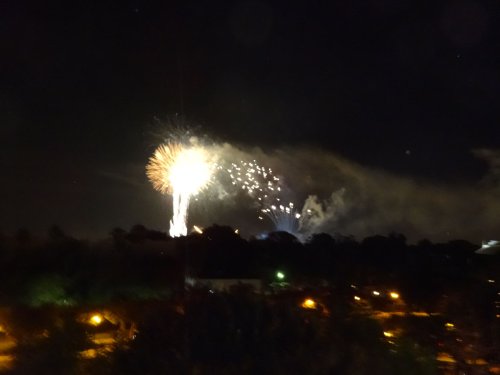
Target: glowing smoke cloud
{"x": 260, "y": 183}
{"x": 316, "y": 213}
{"x": 181, "y": 171}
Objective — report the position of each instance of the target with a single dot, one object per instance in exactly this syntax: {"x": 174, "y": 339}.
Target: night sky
{"x": 407, "y": 88}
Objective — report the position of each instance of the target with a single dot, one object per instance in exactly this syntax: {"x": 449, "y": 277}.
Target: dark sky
{"x": 409, "y": 87}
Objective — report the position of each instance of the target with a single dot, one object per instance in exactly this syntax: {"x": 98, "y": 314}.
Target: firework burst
{"x": 262, "y": 185}
{"x": 181, "y": 171}
{"x": 160, "y": 165}
{"x": 285, "y": 218}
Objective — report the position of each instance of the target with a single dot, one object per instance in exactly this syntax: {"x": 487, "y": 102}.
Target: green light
{"x": 280, "y": 275}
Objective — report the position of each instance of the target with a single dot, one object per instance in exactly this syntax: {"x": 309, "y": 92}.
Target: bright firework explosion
{"x": 260, "y": 183}
{"x": 181, "y": 171}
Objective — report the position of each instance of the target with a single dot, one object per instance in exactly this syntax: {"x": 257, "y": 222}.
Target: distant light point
{"x": 394, "y": 295}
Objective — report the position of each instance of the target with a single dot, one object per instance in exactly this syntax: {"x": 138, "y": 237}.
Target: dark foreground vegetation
{"x": 140, "y": 302}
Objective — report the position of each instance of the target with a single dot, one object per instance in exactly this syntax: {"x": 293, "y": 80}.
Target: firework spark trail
{"x": 260, "y": 183}
{"x": 181, "y": 171}
{"x": 180, "y": 206}
{"x": 285, "y": 218}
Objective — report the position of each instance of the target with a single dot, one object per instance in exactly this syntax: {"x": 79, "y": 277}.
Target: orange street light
{"x": 309, "y": 303}
{"x": 394, "y": 295}
{"x": 96, "y": 319}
